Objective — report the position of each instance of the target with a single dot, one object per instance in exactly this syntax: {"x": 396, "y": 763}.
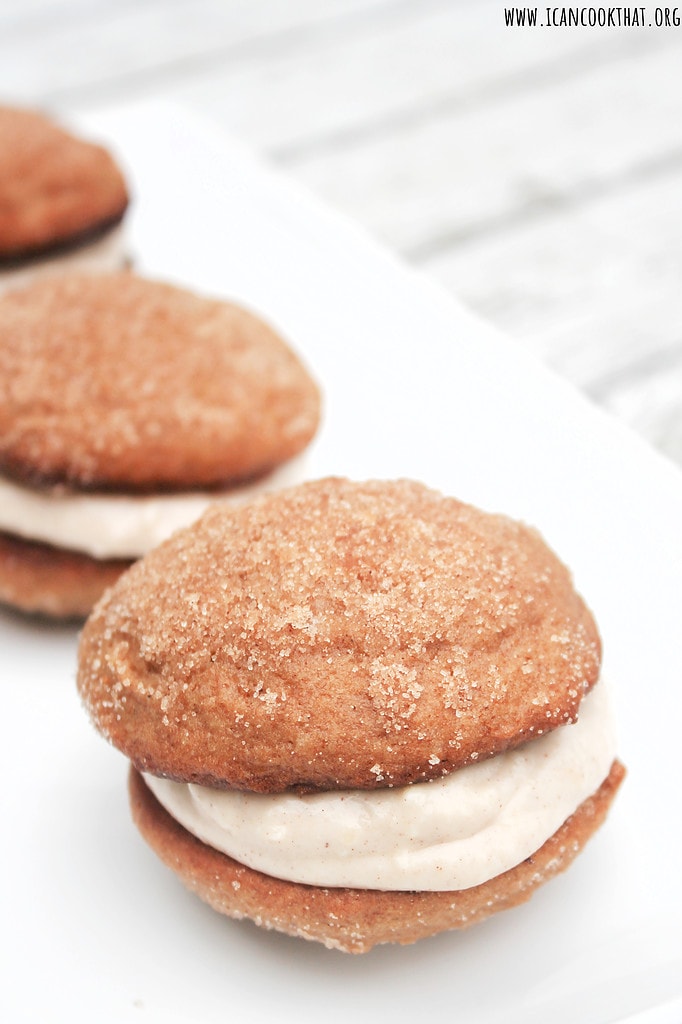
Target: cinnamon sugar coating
{"x": 337, "y": 635}
{"x": 55, "y": 188}
{"x": 114, "y": 381}
{"x": 355, "y": 920}
{"x": 43, "y": 580}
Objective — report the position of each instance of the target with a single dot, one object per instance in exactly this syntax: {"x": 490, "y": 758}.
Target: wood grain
{"x": 537, "y": 173}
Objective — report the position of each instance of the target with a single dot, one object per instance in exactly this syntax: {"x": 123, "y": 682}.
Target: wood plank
{"x": 573, "y": 265}
{"x": 475, "y": 171}
{"x": 628, "y": 359}
{"x": 603, "y": 348}
{"x": 417, "y": 68}
{"x": 595, "y": 293}
{"x": 123, "y": 47}
{"x": 651, "y": 404}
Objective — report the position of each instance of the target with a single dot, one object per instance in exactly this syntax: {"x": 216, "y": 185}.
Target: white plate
{"x": 94, "y": 927}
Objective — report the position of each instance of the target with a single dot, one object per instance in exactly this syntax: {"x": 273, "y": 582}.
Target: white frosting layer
{"x": 118, "y": 526}
{"x": 104, "y": 254}
{"x": 453, "y": 833}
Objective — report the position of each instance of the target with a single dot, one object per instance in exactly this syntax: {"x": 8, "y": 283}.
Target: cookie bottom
{"x": 44, "y": 580}
{"x": 354, "y": 920}
{"x": 61, "y": 245}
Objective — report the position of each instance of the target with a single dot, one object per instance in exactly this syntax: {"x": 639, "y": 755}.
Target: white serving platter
{"x": 94, "y": 928}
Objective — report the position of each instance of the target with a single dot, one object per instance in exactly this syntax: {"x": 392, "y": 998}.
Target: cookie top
{"x": 118, "y": 382}
{"x": 55, "y": 189}
{"x": 337, "y": 635}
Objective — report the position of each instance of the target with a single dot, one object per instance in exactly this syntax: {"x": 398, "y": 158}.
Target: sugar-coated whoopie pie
{"x": 62, "y": 200}
{"x": 126, "y": 406}
{"x": 357, "y": 713}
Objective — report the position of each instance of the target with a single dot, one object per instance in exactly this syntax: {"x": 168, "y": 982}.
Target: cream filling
{"x": 104, "y": 254}
{"x": 118, "y": 526}
{"x": 453, "y": 833}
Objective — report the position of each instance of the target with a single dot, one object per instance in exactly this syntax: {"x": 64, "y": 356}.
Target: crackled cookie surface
{"x": 115, "y": 381}
{"x": 127, "y": 406}
{"x": 55, "y": 189}
{"x": 338, "y": 635}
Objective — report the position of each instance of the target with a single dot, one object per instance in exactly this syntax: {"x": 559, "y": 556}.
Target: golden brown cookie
{"x": 114, "y": 381}
{"x": 341, "y": 636}
{"x": 382, "y": 611}
{"x": 354, "y": 920}
{"x": 56, "y": 190}
{"x": 116, "y": 384}
{"x": 41, "y": 579}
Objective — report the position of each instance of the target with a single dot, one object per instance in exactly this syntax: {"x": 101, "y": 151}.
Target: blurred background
{"x": 536, "y": 172}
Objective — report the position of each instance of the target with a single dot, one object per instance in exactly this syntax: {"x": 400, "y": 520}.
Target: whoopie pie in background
{"x": 63, "y": 199}
{"x": 127, "y": 406}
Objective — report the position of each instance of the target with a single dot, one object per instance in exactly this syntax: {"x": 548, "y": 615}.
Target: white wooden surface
{"x": 537, "y": 173}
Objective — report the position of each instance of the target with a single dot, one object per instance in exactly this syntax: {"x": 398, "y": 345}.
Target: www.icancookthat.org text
{"x": 593, "y": 17}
